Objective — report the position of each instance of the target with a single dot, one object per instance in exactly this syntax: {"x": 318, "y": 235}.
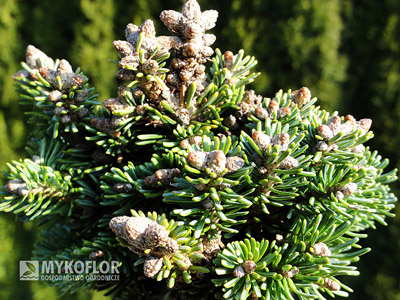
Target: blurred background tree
{"x": 346, "y": 52}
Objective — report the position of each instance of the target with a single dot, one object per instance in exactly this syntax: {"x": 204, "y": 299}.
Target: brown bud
{"x": 169, "y": 246}
{"x": 350, "y": 119}
{"x": 273, "y": 106}
{"x": 83, "y": 112}
{"x": 184, "y": 144}
{"x": 291, "y": 273}
{"x": 114, "y": 123}
{"x": 364, "y": 124}
{"x": 321, "y": 250}
{"x": 301, "y": 96}
{"x": 150, "y": 67}
{"x": 192, "y": 49}
{"x": 123, "y": 187}
{"x": 289, "y": 163}
{"x": 147, "y": 28}
{"x": 231, "y": 122}
{"x": 333, "y": 147}
{"x": 123, "y": 48}
{"x": 65, "y": 119}
{"x": 163, "y": 176}
{"x": 187, "y": 262}
{"x": 348, "y": 188}
{"x": 137, "y": 94}
{"x": 261, "y": 113}
{"x": 228, "y": 59}
{"x": 249, "y": 266}
{"x": 283, "y": 111}
{"x": 197, "y": 159}
{"x": 132, "y": 33}
{"x": 183, "y": 116}
{"x": 103, "y": 125}
{"x": 117, "y": 225}
{"x": 325, "y": 132}
{"x": 178, "y": 63}
{"x": 200, "y": 186}
{"x": 154, "y": 235}
{"x": 191, "y": 10}
{"x": 21, "y": 74}
{"x": 209, "y": 19}
{"x": 216, "y": 161}
{"x": 64, "y": 67}
{"x": 239, "y": 272}
{"x": 55, "y": 96}
{"x": 331, "y": 284}
{"x": 208, "y": 51}
{"x": 196, "y": 140}
{"x": 281, "y": 140}
{"x": 334, "y": 124}
{"x": 358, "y": 149}
{"x": 262, "y": 140}
{"x": 212, "y": 247}
{"x": 208, "y": 204}
{"x": 192, "y": 30}
{"x": 114, "y": 104}
{"x": 185, "y": 75}
{"x": 346, "y": 128}
{"x": 36, "y": 58}
{"x": 234, "y": 163}
{"x": 208, "y": 40}
{"x": 141, "y": 110}
{"x": 133, "y": 229}
{"x": 59, "y": 110}
{"x": 78, "y": 80}
{"x": 322, "y": 146}
{"x": 23, "y": 192}
{"x": 339, "y": 195}
{"x": 14, "y": 185}
{"x": 171, "y": 19}
{"x": 95, "y": 255}
{"x": 152, "y": 266}
{"x": 126, "y": 75}
{"x": 173, "y": 79}
{"x": 129, "y": 62}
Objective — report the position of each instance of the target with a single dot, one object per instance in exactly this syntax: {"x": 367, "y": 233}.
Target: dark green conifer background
{"x": 346, "y": 52}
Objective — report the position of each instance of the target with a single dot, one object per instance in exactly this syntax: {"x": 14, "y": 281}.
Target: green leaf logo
{"x": 31, "y": 268}
{"x": 28, "y": 270}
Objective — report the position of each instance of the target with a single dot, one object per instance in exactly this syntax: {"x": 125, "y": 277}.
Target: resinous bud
{"x": 301, "y": 97}
{"x": 249, "y": 266}
{"x": 331, "y": 284}
{"x": 322, "y": 250}
{"x": 239, "y": 271}
{"x": 152, "y": 266}
{"x": 262, "y": 140}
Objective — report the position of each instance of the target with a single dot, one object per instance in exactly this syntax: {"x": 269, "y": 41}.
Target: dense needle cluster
{"x": 199, "y": 187}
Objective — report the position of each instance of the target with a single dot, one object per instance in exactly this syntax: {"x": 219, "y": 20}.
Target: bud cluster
{"x": 215, "y": 161}
{"x": 59, "y": 80}
{"x": 145, "y": 237}
{"x": 335, "y": 126}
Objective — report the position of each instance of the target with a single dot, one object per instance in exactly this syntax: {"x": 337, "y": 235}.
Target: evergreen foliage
{"x": 217, "y": 191}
